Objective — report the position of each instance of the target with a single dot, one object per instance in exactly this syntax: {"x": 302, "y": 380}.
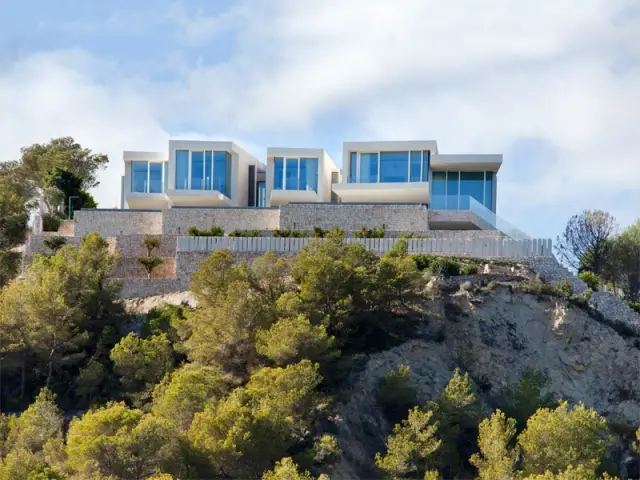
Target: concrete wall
{"x": 178, "y": 220}
{"x": 111, "y": 223}
{"x": 352, "y": 217}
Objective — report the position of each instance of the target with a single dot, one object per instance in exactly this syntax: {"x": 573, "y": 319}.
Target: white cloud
{"x": 54, "y": 94}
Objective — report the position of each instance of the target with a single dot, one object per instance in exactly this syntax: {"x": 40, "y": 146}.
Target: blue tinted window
{"x": 208, "y": 170}
{"x": 221, "y": 172}
{"x": 353, "y": 168}
{"x": 425, "y": 166}
{"x": 197, "y": 170}
{"x": 291, "y": 174}
{"x": 182, "y": 169}
{"x": 488, "y": 190}
{"x": 416, "y": 165}
{"x": 472, "y": 185}
{"x": 139, "y": 171}
{"x": 438, "y": 190}
{"x": 452, "y": 190}
{"x": 278, "y": 173}
{"x": 394, "y": 167}
{"x": 368, "y": 168}
{"x": 262, "y": 195}
{"x": 309, "y": 174}
{"x": 155, "y": 178}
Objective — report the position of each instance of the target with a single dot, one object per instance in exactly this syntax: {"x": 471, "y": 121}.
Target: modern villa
{"x": 222, "y": 174}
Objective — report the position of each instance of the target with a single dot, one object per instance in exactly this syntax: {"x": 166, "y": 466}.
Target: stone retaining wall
{"x": 352, "y": 217}
{"x": 132, "y": 246}
{"x": 128, "y": 267}
{"x": 143, "y": 287}
{"x": 178, "y": 220}
{"x": 111, "y": 223}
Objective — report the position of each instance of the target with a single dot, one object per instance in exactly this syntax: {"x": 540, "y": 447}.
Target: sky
{"x": 552, "y": 85}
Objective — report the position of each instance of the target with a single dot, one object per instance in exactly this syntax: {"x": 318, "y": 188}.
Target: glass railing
{"x": 468, "y": 203}
{"x": 374, "y": 179}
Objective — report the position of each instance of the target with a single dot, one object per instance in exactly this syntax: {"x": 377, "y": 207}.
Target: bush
{"x": 370, "y": 233}
{"x": 54, "y": 243}
{"x": 245, "y": 233}
{"x": 214, "y": 231}
{"x": 446, "y": 266}
{"x": 635, "y": 306}
{"x": 290, "y": 233}
{"x": 563, "y": 288}
{"x": 469, "y": 270}
{"x": 395, "y": 393}
{"x": 591, "y": 279}
{"x": 414, "y": 235}
{"x": 423, "y": 260}
{"x": 50, "y": 223}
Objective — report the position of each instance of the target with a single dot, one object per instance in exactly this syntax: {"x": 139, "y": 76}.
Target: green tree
{"x": 38, "y": 160}
{"x": 13, "y": 178}
{"x": 497, "y": 459}
{"x": 187, "y": 391}
{"x": 585, "y": 243}
{"x": 22, "y": 464}
{"x": 524, "y": 398}
{"x": 240, "y": 442}
{"x": 38, "y": 424}
{"x": 396, "y": 394}
{"x": 122, "y": 443}
{"x": 141, "y": 363}
{"x": 571, "y": 473}
{"x": 150, "y": 262}
{"x": 290, "y": 340}
{"x": 565, "y": 436}
{"x": 286, "y": 469}
{"x": 13, "y": 228}
{"x": 458, "y": 413}
{"x": 412, "y": 447}
{"x": 71, "y": 186}
{"x": 626, "y": 251}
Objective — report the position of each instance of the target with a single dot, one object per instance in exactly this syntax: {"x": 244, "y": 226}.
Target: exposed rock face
{"x": 142, "y": 306}
{"x": 494, "y": 336}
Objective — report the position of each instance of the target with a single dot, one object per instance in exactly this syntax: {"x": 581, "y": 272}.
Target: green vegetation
{"x": 214, "y": 231}
{"x": 290, "y": 233}
{"x": 244, "y": 233}
{"x": 635, "y": 306}
{"x": 54, "y": 243}
{"x": 370, "y": 232}
{"x": 592, "y": 280}
{"x": 396, "y": 394}
{"x": 150, "y": 262}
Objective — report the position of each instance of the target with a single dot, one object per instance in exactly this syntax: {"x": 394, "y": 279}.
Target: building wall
{"x": 178, "y": 220}
{"x": 352, "y": 217}
{"x": 111, "y": 223}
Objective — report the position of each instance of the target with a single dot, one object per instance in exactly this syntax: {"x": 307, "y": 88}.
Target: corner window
{"x": 146, "y": 177}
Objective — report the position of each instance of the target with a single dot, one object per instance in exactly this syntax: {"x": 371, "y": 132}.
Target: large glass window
{"x": 291, "y": 174}
{"x": 488, "y": 190}
{"x": 439, "y": 190}
{"x": 394, "y": 167}
{"x": 208, "y": 170}
{"x": 139, "y": 176}
{"x": 182, "y": 169}
{"x": 155, "y": 178}
{"x": 278, "y": 173}
{"x": 453, "y": 182}
{"x": 197, "y": 170}
{"x": 416, "y": 165}
{"x": 471, "y": 185}
{"x": 222, "y": 172}
{"x": 262, "y": 195}
{"x": 353, "y": 168}
{"x": 425, "y": 166}
{"x": 309, "y": 174}
{"x": 368, "y": 168}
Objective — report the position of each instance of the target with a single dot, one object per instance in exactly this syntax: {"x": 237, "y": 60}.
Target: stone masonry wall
{"x": 111, "y": 223}
{"x": 467, "y": 234}
{"x": 352, "y": 217}
{"x": 131, "y": 246}
{"x": 178, "y": 220}
{"x": 128, "y": 267}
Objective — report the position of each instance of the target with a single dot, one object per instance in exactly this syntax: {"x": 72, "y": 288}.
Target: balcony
{"x": 282, "y": 197}
{"x": 355, "y": 190}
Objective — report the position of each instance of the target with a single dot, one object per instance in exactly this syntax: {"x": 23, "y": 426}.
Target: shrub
{"x": 423, "y": 260}
{"x": 54, "y": 243}
{"x": 563, "y": 288}
{"x": 395, "y": 393}
{"x": 214, "y": 231}
{"x": 591, "y": 279}
{"x": 469, "y": 270}
{"x": 635, "y": 306}
{"x": 370, "y": 233}
{"x": 414, "y": 235}
{"x": 446, "y": 266}
{"x": 290, "y": 233}
{"x": 50, "y": 223}
{"x": 245, "y": 233}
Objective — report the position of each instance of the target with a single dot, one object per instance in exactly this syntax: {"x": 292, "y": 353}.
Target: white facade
{"x": 279, "y": 192}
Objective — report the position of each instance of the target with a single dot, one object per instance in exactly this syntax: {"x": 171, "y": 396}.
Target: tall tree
{"x": 585, "y": 243}
{"x": 13, "y": 228}
{"x": 626, "y": 251}
{"x": 72, "y": 188}
{"x": 39, "y": 160}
